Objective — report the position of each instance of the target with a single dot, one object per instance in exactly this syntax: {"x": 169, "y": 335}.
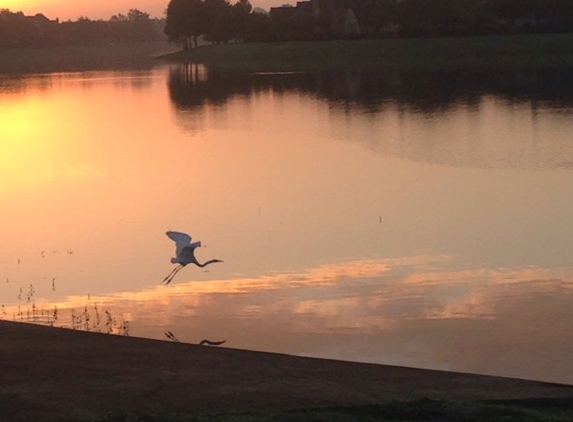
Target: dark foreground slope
{"x": 50, "y": 373}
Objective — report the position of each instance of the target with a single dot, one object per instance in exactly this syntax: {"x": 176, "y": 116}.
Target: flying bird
{"x": 184, "y": 254}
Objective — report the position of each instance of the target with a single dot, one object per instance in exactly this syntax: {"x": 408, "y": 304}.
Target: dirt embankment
{"x": 49, "y": 373}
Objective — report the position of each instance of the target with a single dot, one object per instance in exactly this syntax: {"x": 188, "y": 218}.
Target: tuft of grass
{"x": 532, "y": 51}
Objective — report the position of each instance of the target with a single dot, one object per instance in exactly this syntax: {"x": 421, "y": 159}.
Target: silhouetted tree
{"x": 378, "y": 16}
{"x": 185, "y": 22}
{"x": 219, "y": 23}
{"x": 258, "y": 28}
{"x": 241, "y": 15}
{"x": 135, "y": 26}
{"x": 20, "y": 31}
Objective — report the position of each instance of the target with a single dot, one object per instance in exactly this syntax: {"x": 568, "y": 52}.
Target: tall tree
{"x": 219, "y": 23}
{"x": 184, "y": 22}
{"x": 241, "y": 14}
{"x": 137, "y": 15}
{"x": 377, "y": 16}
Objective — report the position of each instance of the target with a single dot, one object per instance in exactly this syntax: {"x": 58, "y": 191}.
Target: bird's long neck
{"x": 212, "y": 261}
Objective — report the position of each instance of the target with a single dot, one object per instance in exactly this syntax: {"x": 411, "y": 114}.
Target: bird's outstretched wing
{"x": 183, "y": 245}
{"x": 179, "y": 237}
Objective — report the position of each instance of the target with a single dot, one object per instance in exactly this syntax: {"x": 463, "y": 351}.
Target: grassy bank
{"x": 61, "y": 59}
{"x": 552, "y": 410}
{"x": 546, "y": 50}
{"x": 501, "y": 52}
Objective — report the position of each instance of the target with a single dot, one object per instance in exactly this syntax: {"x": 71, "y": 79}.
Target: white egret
{"x": 184, "y": 253}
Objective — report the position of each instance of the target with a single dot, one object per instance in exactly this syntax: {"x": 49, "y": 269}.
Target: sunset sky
{"x": 71, "y": 9}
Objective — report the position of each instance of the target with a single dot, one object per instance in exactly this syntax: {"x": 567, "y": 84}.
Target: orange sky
{"x": 72, "y": 9}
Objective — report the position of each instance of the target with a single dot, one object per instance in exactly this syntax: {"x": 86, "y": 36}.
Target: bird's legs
{"x": 170, "y": 276}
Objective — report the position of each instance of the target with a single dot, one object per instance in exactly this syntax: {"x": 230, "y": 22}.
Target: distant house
{"x": 260, "y": 11}
{"x": 304, "y": 6}
{"x": 282, "y": 12}
{"x": 41, "y": 21}
{"x": 350, "y": 23}
{"x": 21, "y": 31}
{"x": 331, "y": 18}
{"x": 337, "y": 18}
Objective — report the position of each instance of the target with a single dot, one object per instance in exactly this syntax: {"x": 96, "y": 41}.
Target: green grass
{"x": 546, "y": 50}
{"x": 493, "y": 52}
{"x": 543, "y": 410}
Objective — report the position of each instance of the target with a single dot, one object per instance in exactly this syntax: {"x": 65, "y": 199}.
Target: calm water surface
{"x": 412, "y": 219}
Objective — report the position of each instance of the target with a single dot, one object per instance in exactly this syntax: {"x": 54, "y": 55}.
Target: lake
{"x": 398, "y": 217}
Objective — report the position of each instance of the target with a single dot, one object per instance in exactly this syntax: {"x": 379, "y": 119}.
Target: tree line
{"x": 471, "y": 17}
{"x": 221, "y": 21}
{"x": 20, "y": 31}
{"x": 216, "y": 20}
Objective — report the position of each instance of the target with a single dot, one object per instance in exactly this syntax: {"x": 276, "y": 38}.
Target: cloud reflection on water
{"x": 409, "y": 311}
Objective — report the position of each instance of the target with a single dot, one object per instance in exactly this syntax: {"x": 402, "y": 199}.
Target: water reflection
{"x": 359, "y": 216}
{"x": 373, "y": 90}
{"x": 386, "y": 111}
{"x": 17, "y": 84}
{"x": 410, "y": 311}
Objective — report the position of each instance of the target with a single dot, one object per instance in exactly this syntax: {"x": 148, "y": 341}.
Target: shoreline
{"x": 124, "y": 56}
{"x": 533, "y": 51}
{"x": 50, "y": 373}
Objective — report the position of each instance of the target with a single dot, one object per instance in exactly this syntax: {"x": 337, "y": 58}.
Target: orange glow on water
{"x": 364, "y": 236}
{"x": 36, "y": 152}
{"x": 375, "y": 301}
